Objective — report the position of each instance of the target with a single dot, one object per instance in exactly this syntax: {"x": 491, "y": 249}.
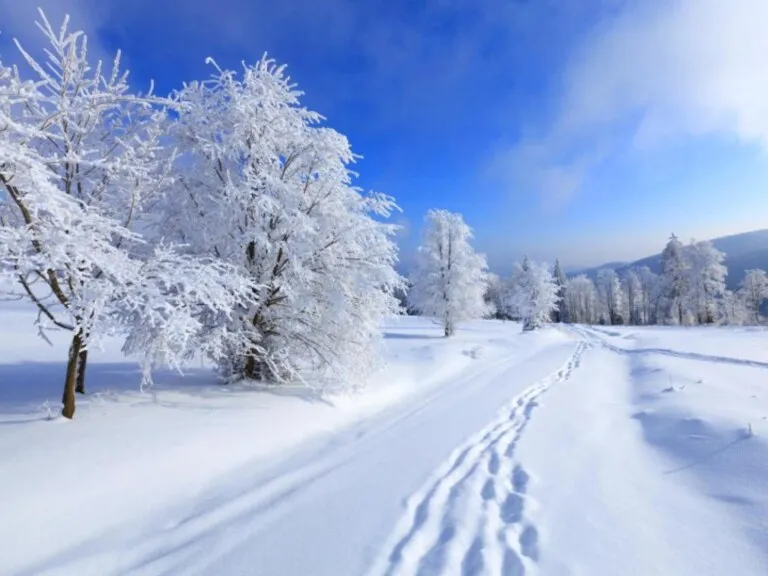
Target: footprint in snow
{"x": 512, "y": 509}
{"x": 493, "y": 464}
{"x": 489, "y": 490}
{"x": 510, "y": 449}
{"x": 529, "y": 542}
{"x": 512, "y": 565}
{"x": 472, "y": 565}
{"x": 520, "y": 479}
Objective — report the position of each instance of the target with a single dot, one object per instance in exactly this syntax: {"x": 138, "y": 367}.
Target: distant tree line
{"x": 452, "y": 283}
{"x": 690, "y": 290}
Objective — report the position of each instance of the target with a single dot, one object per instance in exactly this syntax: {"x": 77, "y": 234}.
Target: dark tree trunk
{"x": 250, "y": 365}
{"x": 81, "y": 366}
{"x": 259, "y": 370}
{"x": 68, "y": 399}
{"x": 262, "y": 372}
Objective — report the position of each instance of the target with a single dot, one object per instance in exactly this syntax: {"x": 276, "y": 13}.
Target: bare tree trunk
{"x": 448, "y": 327}
{"x": 81, "y": 365}
{"x": 68, "y": 399}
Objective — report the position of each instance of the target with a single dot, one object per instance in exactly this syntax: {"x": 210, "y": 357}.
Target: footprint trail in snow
{"x": 470, "y": 517}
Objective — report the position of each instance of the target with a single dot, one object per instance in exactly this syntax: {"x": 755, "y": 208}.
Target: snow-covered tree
{"x": 733, "y": 309}
{"x": 651, "y": 295}
{"x": 634, "y": 297}
{"x": 582, "y": 300}
{"x": 754, "y": 291}
{"x": 509, "y": 305}
{"x": 450, "y": 278}
{"x": 676, "y": 278}
{"x": 611, "y": 296}
{"x": 494, "y": 296}
{"x": 264, "y": 186}
{"x": 706, "y": 280}
{"x": 534, "y": 295}
{"x": 80, "y": 165}
{"x": 561, "y": 312}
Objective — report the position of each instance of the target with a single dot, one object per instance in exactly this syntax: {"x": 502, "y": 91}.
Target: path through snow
{"x": 472, "y": 512}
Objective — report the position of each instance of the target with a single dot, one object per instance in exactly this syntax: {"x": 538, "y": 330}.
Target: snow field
{"x": 569, "y": 451}
{"x": 134, "y": 463}
{"x": 651, "y": 481}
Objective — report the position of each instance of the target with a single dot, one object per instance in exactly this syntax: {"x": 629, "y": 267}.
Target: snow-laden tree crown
{"x": 449, "y": 279}
{"x": 220, "y": 221}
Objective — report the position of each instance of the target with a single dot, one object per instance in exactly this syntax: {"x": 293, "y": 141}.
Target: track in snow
{"x": 595, "y": 335}
{"x": 470, "y": 518}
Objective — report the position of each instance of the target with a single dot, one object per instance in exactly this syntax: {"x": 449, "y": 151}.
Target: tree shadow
{"x": 31, "y": 391}
{"x": 687, "y": 439}
{"x": 26, "y": 385}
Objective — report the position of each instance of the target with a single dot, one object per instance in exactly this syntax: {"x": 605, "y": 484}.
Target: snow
{"x": 660, "y": 477}
{"x": 570, "y": 450}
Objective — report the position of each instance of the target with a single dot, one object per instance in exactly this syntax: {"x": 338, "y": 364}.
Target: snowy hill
{"x": 566, "y": 451}
{"x": 742, "y": 252}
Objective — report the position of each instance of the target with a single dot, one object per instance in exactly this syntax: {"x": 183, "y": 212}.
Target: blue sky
{"x": 584, "y": 129}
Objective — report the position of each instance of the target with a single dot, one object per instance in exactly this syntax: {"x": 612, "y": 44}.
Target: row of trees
{"x": 220, "y": 220}
{"x": 690, "y": 290}
{"x": 452, "y": 283}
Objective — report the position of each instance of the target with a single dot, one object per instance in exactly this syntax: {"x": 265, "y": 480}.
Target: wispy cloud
{"x": 539, "y": 166}
{"x": 655, "y": 71}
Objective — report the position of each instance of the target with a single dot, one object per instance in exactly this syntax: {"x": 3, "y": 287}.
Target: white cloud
{"x": 540, "y": 166}
{"x": 657, "y": 70}
{"x": 694, "y": 66}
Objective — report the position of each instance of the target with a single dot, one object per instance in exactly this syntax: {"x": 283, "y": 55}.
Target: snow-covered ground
{"x": 576, "y": 450}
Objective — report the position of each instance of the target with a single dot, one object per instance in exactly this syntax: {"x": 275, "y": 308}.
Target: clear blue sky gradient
{"x": 432, "y": 94}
